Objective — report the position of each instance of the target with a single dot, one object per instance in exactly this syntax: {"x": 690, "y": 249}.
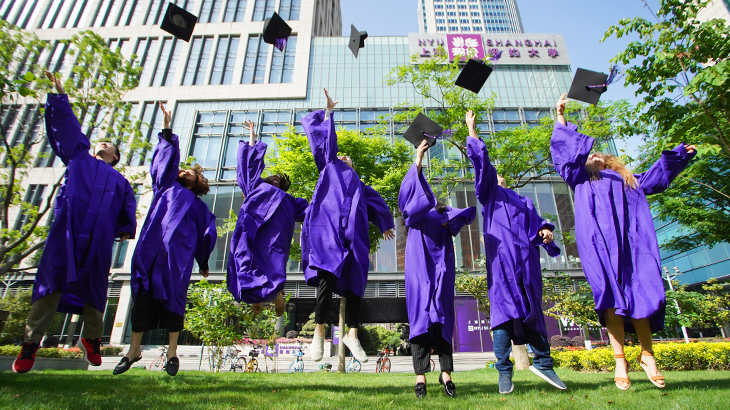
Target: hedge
{"x": 669, "y": 356}
{"x": 73, "y": 353}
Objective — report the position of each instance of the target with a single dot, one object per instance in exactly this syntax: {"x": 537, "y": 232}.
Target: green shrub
{"x": 669, "y": 356}
{"x": 45, "y": 352}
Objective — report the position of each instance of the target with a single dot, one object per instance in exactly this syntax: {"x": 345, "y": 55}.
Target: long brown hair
{"x": 201, "y": 186}
{"x": 613, "y": 162}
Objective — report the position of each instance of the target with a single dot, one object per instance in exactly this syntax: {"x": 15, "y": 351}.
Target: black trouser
{"x": 421, "y": 351}
{"x": 327, "y": 282}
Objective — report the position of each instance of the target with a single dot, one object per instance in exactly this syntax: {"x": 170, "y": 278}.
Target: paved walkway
{"x": 190, "y": 358}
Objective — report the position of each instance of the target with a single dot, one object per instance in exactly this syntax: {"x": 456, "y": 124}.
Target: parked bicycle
{"x": 161, "y": 361}
{"x": 354, "y": 365}
{"x": 297, "y": 366}
{"x": 233, "y": 361}
{"x": 383, "y": 363}
{"x": 253, "y": 363}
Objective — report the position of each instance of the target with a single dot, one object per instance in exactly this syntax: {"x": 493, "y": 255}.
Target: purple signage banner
{"x": 464, "y": 46}
{"x": 335, "y": 335}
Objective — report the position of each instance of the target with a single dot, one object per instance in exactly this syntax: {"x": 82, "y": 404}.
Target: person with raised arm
{"x": 616, "y": 239}
{"x": 430, "y": 273}
{"x": 262, "y": 238}
{"x": 335, "y": 241}
{"x": 513, "y": 230}
{"x": 95, "y": 204}
{"x": 178, "y": 231}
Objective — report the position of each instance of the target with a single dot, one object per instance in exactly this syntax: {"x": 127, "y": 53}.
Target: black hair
{"x": 116, "y": 151}
{"x": 441, "y": 207}
{"x": 284, "y": 182}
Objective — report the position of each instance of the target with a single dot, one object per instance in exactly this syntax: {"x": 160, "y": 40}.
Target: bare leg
{"x": 172, "y": 348}
{"x": 615, "y": 327}
{"x": 420, "y": 378}
{"x": 445, "y": 376}
{"x": 257, "y": 307}
{"x": 643, "y": 330}
{"x": 135, "y": 349}
{"x": 352, "y": 333}
{"x": 280, "y": 304}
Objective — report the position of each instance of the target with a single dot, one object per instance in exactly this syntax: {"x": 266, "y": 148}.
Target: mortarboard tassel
{"x": 440, "y": 134}
{"x": 280, "y": 43}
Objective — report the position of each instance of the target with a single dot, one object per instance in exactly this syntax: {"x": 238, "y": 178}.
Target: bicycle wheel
{"x": 253, "y": 366}
{"x": 227, "y": 365}
{"x": 239, "y": 364}
{"x": 353, "y": 367}
{"x": 379, "y": 367}
{"x": 157, "y": 363}
{"x": 296, "y": 367}
{"x": 386, "y": 366}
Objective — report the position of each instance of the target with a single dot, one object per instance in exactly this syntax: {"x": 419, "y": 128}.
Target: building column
{"x": 123, "y": 310}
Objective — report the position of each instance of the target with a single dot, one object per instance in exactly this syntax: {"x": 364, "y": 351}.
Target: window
{"x": 33, "y": 196}
{"x": 282, "y": 66}
{"x": 206, "y": 141}
{"x": 103, "y": 13}
{"x": 198, "y": 61}
{"x": 235, "y": 10}
{"x": 440, "y": 21}
{"x": 210, "y": 11}
{"x": 439, "y": 13}
{"x": 438, "y": 6}
{"x": 151, "y": 124}
{"x": 440, "y": 28}
{"x": 254, "y": 65}
{"x": 263, "y": 9}
{"x": 167, "y": 63}
{"x": 155, "y": 11}
{"x": 221, "y": 200}
{"x": 53, "y": 14}
{"x": 146, "y": 53}
{"x": 20, "y": 14}
{"x": 289, "y": 9}
{"x": 235, "y": 133}
{"x": 225, "y": 59}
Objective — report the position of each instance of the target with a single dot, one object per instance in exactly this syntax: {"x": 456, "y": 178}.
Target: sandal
{"x": 652, "y": 379}
{"x": 622, "y": 379}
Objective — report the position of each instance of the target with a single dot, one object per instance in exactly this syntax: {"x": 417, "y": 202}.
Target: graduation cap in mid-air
{"x": 588, "y": 85}
{"x": 424, "y": 128}
{"x": 276, "y": 31}
{"x": 357, "y": 40}
{"x": 475, "y": 73}
{"x": 178, "y": 22}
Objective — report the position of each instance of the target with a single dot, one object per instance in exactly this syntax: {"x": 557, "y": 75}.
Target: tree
{"x": 681, "y": 69}
{"x": 214, "y": 317}
{"x": 101, "y": 77}
{"x": 308, "y": 328}
{"x": 18, "y": 304}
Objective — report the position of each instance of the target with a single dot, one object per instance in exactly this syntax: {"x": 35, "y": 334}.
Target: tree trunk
{"x": 341, "y": 347}
{"x": 519, "y": 353}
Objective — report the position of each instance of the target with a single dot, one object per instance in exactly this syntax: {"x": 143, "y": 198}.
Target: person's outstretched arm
{"x": 485, "y": 175}
{"x": 62, "y": 127}
{"x": 415, "y": 198}
{"x": 320, "y": 129}
{"x": 165, "y": 164}
{"x": 658, "y": 178}
{"x": 250, "y": 161}
{"x": 569, "y": 149}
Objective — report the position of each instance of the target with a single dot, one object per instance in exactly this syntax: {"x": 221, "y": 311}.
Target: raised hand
{"x": 205, "y": 273}
{"x": 560, "y": 105}
{"x": 251, "y": 127}
{"x": 166, "y": 117}
{"x": 471, "y": 120}
{"x": 330, "y": 104}
{"x": 420, "y": 152}
{"x": 690, "y": 149}
{"x": 55, "y": 81}
{"x": 389, "y": 234}
{"x": 547, "y": 235}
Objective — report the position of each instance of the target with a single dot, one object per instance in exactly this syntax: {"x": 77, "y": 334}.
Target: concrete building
{"x": 716, "y": 9}
{"x": 226, "y": 75}
{"x": 469, "y": 16}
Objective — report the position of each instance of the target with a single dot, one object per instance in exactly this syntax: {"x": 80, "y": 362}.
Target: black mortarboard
{"x": 357, "y": 40}
{"x": 422, "y": 128}
{"x": 588, "y": 86}
{"x": 178, "y": 22}
{"x": 276, "y": 31}
{"x": 474, "y": 75}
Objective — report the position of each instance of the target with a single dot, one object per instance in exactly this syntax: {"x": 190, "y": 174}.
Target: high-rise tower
{"x": 469, "y": 16}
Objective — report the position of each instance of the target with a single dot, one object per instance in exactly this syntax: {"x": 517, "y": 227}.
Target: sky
{"x": 581, "y": 22}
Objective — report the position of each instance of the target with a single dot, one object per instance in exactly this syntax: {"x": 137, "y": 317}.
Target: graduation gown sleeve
{"x": 206, "y": 239}
{"x": 377, "y": 210}
{"x": 570, "y": 150}
{"x": 485, "y": 175}
{"x": 663, "y": 172}
{"x": 415, "y": 198}
{"x": 127, "y": 220}
{"x": 320, "y": 129}
{"x": 165, "y": 164}
{"x": 250, "y": 165}
{"x": 63, "y": 129}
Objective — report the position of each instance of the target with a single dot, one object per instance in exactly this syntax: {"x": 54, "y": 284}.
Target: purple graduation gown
{"x": 614, "y": 231}
{"x": 430, "y": 269}
{"x": 94, "y": 205}
{"x": 335, "y": 230}
{"x": 179, "y": 228}
{"x": 511, "y": 240}
{"x": 261, "y": 241}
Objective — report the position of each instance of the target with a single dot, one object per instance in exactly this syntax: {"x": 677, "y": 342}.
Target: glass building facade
{"x": 469, "y": 16}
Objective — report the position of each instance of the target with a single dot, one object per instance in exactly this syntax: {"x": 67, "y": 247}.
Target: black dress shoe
{"x": 449, "y": 387}
{"x": 125, "y": 364}
{"x": 420, "y": 390}
{"x": 172, "y": 366}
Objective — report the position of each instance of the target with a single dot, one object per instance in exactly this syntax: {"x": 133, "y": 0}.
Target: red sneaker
{"x": 26, "y": 359}
{"x": 90, "y": 348}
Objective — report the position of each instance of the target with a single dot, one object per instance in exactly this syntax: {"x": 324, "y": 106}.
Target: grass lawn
{"x": 140, "y": 389}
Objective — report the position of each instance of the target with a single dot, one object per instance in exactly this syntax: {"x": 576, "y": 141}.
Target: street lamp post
{"x": 669, "y": 279}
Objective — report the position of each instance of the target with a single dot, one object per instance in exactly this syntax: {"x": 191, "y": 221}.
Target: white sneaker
{"x": 356, "y": 349}
{"x": 317, "y": 349}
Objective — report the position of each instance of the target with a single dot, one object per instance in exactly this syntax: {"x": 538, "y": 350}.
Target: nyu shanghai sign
{"x": 522, "y": 49}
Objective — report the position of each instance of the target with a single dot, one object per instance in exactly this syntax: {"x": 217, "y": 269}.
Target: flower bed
{"x": 60, "y": 353}
{"x": 669, "y": 356}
